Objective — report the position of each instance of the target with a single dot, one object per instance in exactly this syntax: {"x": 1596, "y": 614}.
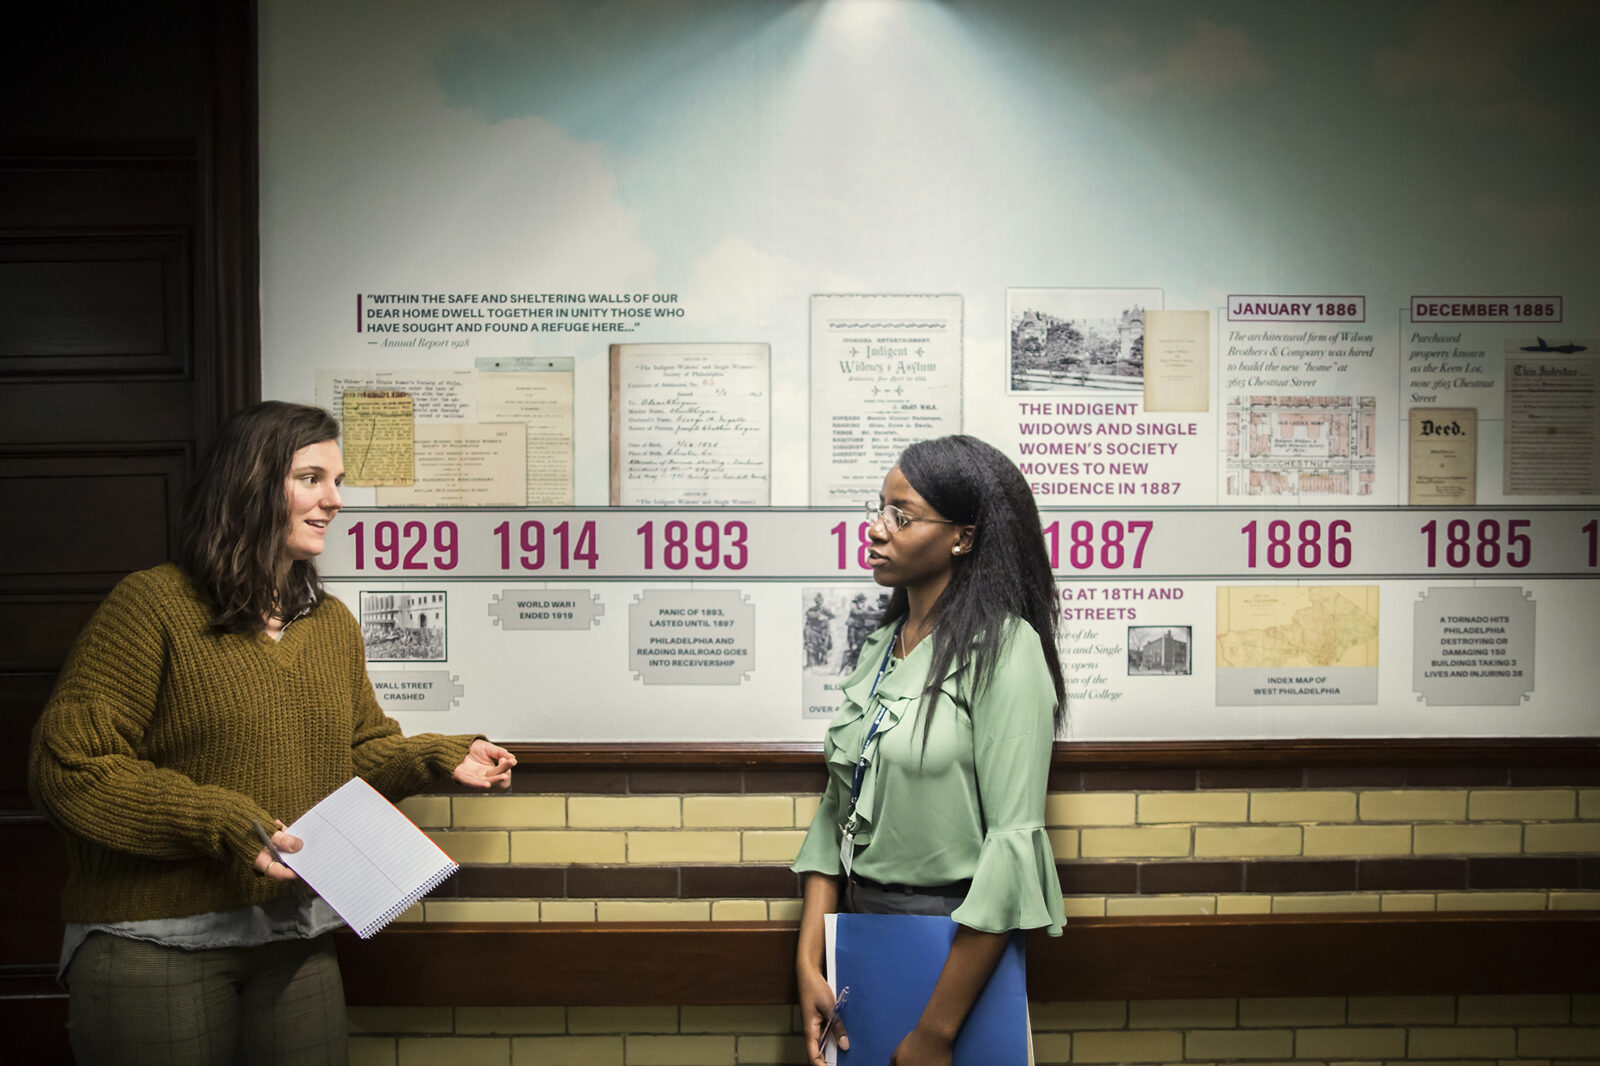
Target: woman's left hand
{"x": 486, "y": 765}
{"x": 922, "y": 1048}
{"x": 268, "y": 864}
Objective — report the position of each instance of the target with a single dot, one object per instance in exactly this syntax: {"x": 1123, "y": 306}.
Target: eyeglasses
{"x": 894, "y": 519}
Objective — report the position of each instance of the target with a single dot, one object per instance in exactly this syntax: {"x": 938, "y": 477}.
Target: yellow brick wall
{"x": 1200, "y": 825}
{"x": 1370, "y": 1031}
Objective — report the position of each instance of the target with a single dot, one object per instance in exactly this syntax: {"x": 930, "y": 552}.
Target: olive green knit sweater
{"x": 163, "y": 742}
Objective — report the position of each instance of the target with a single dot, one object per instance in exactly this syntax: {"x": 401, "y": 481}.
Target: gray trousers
{"x": 864, "y": 899}
{"x": 134, "y": 1002}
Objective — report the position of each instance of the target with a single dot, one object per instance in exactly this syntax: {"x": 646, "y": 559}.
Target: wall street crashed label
{"x": 416, "y": 690}
{"x": 691, "y": 637}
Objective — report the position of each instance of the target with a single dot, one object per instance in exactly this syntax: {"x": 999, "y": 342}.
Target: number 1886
{"x": 1308, "y": 544}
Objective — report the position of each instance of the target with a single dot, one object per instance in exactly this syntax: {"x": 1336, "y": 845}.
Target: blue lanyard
{"x": 872, "y": 731}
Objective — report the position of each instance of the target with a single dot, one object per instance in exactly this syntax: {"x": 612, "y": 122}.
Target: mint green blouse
{"x": 921, "y": 818}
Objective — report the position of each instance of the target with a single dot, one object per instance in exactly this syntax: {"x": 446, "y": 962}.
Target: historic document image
{"x": 537, "y": 393}
{"x": 885, "y": 371}
{"x": 1443, "y": 465}
{"x": 1087, "y": 341}
{"x": 1177, "y": 360}
{"x": 691, "y": 425}
{"x": 377, "y": 443}
{"x": 1301, "y": 445}
{"x": 1291, "y": 644}
{"x": 436, "y": 395}
{"x": 466, "y": 464}
{"x": 1552, "y": 430}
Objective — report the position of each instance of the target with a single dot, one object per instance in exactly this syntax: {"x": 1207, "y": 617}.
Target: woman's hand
{"x": 922, "y": 1048}
{"x": 268, "y": 866}
{"x": 816, "y": 1007}
{"x": 485, "y": 765}
{"x": 816, "y": 998}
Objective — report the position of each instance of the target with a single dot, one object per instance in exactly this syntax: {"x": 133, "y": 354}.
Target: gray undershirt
{"x": 299, "y": 917}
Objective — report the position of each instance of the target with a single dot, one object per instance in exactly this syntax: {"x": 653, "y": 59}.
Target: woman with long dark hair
{"x": 206, "y": 699}
{"x": 949, "y": 718}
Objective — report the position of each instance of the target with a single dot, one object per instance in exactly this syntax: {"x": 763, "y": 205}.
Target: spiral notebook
{"x": 365, "y": 858}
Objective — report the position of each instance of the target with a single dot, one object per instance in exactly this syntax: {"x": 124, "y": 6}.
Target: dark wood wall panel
{"x": 92, "y": 515}
{"x": 141, "y": 184}
{"x": 126, "y": 513}
{"x": 74, "y": 311}
{"x": 132, "y": 412}
{"x": 21, "y": 699}
{"x": 128, "y": 331}
{"x": 35, "y": 1017}
{"x": 32, "y": 905}
{"x": 588, "y": 964}
{"x": 115, "y": 307}
{"x": 37, "y": 632}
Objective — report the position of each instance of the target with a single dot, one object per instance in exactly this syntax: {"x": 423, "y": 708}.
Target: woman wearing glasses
{"x": 938, "y": 758}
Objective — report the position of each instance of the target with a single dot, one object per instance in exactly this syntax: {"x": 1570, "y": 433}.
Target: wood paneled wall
{"x": 128, "y": 330}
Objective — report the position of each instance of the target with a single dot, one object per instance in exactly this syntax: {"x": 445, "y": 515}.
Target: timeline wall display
{"x": 627, "y": 309}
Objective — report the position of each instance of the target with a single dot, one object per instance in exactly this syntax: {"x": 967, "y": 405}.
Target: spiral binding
{"x": 403, "y": 904}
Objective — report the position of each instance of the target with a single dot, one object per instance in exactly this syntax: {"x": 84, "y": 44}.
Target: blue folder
{"x": 890, "y": 962}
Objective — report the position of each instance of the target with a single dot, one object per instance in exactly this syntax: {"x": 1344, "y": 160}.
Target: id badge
{"x": 847, "y": 850}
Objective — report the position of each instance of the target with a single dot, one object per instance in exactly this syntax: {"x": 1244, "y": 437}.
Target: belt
{"x": 954, "y": 888}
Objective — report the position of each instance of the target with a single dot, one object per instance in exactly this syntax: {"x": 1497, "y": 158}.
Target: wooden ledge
{"x": 644, "y": 963}
{"x": 1580, "y": 751}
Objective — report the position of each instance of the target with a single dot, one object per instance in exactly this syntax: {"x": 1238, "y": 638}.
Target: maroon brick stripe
{"x": 1078, "y": 878}
{"x": 1176, "y": 766}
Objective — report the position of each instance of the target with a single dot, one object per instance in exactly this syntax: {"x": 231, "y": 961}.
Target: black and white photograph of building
{"x": 404, "y": 626}
{"x": 1078, "y": 340}
{"x": 1159, "y": 650}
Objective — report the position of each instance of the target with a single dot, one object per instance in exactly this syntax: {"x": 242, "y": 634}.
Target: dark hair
{"x": 236, "y": 518}
{"x": 1006, "y": 572}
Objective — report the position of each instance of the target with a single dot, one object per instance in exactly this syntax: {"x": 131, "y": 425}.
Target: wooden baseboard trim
{"x": 717, "y": 963}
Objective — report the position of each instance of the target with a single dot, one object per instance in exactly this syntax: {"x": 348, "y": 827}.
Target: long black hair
{"x": 236, "y": 518}
{"x": 1006, "y": 572}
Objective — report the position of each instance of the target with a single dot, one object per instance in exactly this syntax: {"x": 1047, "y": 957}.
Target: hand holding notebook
{"x": 365, "y": 858}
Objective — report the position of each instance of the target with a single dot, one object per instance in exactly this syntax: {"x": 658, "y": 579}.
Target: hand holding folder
{"x": 892, "y": 963}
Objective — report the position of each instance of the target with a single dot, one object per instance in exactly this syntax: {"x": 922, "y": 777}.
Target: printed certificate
{"x": 885, "y": 372}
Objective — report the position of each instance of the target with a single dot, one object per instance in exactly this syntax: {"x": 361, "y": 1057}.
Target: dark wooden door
{"x": 128, "y": 329}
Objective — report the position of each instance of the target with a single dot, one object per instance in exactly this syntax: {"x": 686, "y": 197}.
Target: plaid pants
{"x": 133, "y": 1002}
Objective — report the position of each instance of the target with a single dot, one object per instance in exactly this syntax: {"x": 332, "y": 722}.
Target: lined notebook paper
{"x": 365, "y": 858}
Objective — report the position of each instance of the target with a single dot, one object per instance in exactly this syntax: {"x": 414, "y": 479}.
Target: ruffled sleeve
{"x": 819, "y": 851}
{"x": 1014, "y": 885}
